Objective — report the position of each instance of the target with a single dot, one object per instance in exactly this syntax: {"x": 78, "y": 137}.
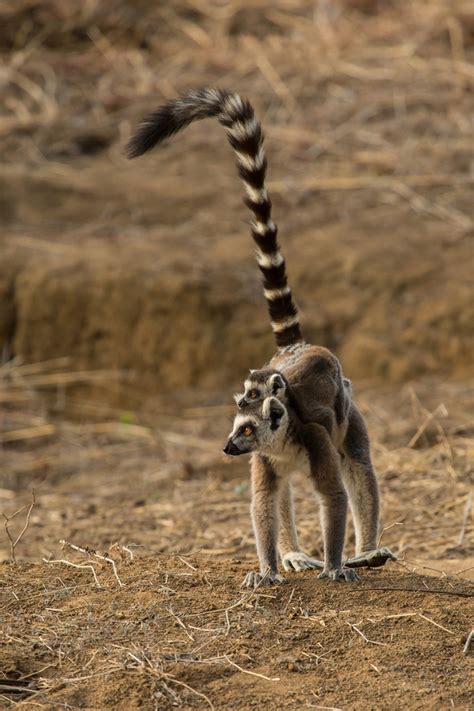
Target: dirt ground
{"x": 131, "y": 309}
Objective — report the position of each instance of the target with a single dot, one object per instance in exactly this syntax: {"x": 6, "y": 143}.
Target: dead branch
{"x": 63, "y": 561}
{"x": 15, "y": 541}
{"x": 90, "y": 552}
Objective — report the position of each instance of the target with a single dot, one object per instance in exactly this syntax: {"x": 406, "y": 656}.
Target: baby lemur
{"x": 329, "y": 423}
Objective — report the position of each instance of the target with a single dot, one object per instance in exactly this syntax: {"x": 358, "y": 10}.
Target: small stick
{"x": 428, "y": 619}
{"x": 76, "y": 565}
{"x": 190, "y": 688}
{"x": 92, "y": 552}
{"x": 327, "y": 708}
{"x": 186, "y": 563}
{"x": 319, "y": 657}
{"x": 247, "y": 671}
{"x": 387, "y": 528}
{"x": 180, "y": 623}
{"x": 14, "y": 543}
{"x": 467, "y": 512}
{"x": 469, "y": 639}
{"x": 120, "y": 548}
{"x": 440, "y": 410}
{"x": 369, "y": 641}
{"x": 289, "y": 600}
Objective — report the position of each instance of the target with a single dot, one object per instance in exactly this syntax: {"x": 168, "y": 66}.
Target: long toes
{"x": 340, "y": 574}
{"x": 298, "y": 565}
{"x": 313, "y": 563}
{"x": 251, "y": 580}
{"x": 301, "y": 561}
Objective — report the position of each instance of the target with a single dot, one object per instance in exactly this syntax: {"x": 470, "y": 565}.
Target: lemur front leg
{"x": 292, "y": 557}
{"x": 264, "y": 509}
{"x": 326, "y": 475}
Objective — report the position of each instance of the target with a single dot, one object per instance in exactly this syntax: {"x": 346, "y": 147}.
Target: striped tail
{"x": 245, "y": 136}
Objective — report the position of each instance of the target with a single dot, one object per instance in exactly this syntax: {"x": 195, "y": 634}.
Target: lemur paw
{"x": 371, "y": 559}
{"x": 347, "y": 575}
{"x": 253, "y": 579}
{"x": 297, "y": 560}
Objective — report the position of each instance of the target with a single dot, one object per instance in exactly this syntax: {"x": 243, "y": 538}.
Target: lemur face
{"x": 260, "y": 385}
{"x": 261, "y": 430}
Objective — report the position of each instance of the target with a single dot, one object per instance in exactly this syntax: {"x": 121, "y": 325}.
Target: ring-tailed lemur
{"x": 313, "y": 371}
{"x": 276, "y": 433}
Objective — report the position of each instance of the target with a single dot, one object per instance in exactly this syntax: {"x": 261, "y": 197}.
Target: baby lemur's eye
{"x": 248, "y": 430}
{"x": 253, "y": 394}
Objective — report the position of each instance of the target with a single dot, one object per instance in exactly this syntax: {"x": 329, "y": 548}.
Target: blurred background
{"x": 130, "y": 301}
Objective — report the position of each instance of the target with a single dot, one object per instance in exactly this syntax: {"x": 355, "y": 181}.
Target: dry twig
{"x": 90, "y": 552}
{"x": 15, "y": 541}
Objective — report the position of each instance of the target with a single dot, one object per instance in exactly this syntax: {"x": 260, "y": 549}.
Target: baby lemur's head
{"x": 261, "y": 428}
{"x": 260, "y": 385}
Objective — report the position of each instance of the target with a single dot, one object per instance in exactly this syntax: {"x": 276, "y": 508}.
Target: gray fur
{"x": 279, "y": 441}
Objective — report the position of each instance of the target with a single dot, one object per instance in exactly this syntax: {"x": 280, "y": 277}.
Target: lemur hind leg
{"x": 292, "y": 557}
{"x": 264, "y": 509}
{"x": 361, "y": 483}
{"x": 362, "y": 488}
{"x": 326, "y": 475}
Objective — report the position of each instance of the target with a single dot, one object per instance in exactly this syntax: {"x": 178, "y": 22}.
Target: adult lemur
{"x": 274, "y": 430}
{"x": 331, "y": 421}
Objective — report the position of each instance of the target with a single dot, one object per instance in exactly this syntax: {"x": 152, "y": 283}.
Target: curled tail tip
{"x": 134, "y": 149}
{"x": 155, "y": 128}
{"x": 173, "y": 116}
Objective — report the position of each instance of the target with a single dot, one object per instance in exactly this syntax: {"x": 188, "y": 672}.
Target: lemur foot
{"x": 371, "y": 559}
{"x": 297, "y": 560}
{"x": 253, "y": 579}
{"x": 348, "y": 575}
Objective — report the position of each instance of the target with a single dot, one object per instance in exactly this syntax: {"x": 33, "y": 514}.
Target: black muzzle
{"x": 232, "y": 449}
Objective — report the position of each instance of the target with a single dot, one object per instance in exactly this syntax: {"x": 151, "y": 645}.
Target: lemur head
{"x": 260, "y": 385}
{"x": 263, "y": 428}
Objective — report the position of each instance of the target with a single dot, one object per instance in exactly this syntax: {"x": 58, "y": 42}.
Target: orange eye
{"x": 248, "y": 431}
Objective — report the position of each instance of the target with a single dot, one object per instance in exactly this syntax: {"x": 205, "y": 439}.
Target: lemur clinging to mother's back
{"x": 312, "y": 374}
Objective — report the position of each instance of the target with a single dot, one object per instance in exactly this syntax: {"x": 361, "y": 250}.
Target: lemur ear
{"x": 277, "y": 384}
{"x": 273, "y": 410}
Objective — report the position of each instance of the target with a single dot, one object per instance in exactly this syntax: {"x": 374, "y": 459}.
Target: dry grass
{"x": 377, "y": 71}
